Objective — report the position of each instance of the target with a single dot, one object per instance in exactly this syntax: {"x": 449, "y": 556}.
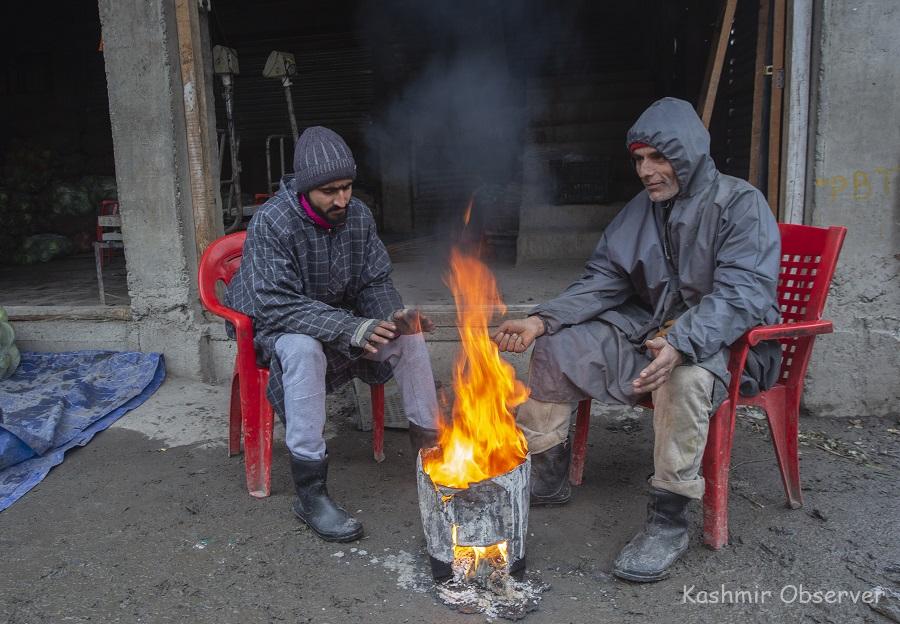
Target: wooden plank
{"x": 759, "y": 87}
{"x": 715, "y": 62}
{"x": 798, "y": 48}
{"x": 776, "y": 108}
{"x": 200, "y": 146}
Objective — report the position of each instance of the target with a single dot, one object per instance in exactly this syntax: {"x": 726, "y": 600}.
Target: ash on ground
{"x": 498, "y": 595}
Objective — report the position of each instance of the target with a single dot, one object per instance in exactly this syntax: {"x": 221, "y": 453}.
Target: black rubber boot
{"x": 664, "y": 538}
{"x": 550, "y": 476}
{"x": 313, "y": 505}
{"x": 420, "y": 437}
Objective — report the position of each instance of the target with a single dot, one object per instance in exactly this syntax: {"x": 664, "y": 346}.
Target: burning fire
{"x": 482, "y": 440}
{"x": 466, "y": 559}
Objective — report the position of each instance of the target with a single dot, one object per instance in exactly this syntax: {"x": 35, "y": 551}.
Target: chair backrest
{"x": 809, "y": 256}
{"x": 220, "y": 262}
{"x": 109, "y": 222}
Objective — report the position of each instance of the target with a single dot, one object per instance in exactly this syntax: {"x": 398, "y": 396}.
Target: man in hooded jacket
{"x": 685, "y": 268}
{"x": 315, "y": 279}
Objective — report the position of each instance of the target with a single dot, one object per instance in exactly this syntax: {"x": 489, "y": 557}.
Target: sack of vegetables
{"x": 9, "y": 354}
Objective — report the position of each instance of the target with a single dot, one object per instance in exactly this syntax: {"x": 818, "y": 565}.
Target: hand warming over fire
{"x": 516, "y": 335}
{"x": 665, "y": 359}
{"x": 372, "y": 334}
{"x": 411, "y": 321}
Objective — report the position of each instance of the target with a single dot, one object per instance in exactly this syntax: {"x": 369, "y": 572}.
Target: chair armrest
{"x": 232, "y": 316}
{"x": 243, "y": 324}
{"x": 788, "y": 330}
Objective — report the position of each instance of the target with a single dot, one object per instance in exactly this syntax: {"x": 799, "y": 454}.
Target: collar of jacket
{"x": 288, "y": 192}
{"x": 312, "y": 214}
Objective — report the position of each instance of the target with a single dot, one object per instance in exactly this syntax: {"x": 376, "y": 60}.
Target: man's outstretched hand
{"x": 665, "y": 359}
{"x": 381, "y": 333}
{"x": 412, "y": 321}
{"x": 516, "y": 335}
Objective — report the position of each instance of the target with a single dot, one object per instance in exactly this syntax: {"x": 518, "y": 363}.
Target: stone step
{"x": 544, "y": 216}
{"x": 536, "y": 168}
{"x": 556, "y": 243}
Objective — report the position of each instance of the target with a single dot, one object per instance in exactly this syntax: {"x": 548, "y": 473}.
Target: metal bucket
{"x": 484, "y": 514}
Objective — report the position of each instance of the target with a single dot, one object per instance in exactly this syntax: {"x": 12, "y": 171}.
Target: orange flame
{"x": 467, "y": 559}
{"x": 482, "y": 440}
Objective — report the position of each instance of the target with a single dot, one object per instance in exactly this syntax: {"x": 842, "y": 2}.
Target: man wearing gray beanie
{"x": 315, "y": 279}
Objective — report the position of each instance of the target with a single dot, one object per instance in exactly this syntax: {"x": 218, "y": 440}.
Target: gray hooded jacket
{"x": 708, "y": 259}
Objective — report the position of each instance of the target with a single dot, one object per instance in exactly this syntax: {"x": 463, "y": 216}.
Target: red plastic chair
{"x": 250, "y": 409}
{"x": 808, "y": 259}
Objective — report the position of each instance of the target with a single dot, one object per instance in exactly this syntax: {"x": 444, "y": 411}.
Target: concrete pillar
{"x": 146, "y": 101}
{"x": 855, "y": 182}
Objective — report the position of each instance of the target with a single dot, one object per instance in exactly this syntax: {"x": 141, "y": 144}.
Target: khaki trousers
{"x": 682, "y": 408}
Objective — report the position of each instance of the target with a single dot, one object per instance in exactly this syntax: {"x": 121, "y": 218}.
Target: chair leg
{"x": 234, "y": 417}
{"x": 782, "y": 413}
{"x": 258, "y": 443}
{"x": 378, "y": 422}
{"x": 579, "y": 444}
{"x": 716, "y": 463}
{"x": 98, "y": 263}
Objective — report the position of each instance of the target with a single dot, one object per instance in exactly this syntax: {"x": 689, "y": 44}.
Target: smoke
{"x": 454, "y": 109}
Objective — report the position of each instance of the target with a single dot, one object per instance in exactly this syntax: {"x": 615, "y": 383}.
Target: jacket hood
{"x": 673, "y": 128}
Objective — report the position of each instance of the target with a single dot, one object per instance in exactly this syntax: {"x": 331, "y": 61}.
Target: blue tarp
{"x": 55, "y": 401}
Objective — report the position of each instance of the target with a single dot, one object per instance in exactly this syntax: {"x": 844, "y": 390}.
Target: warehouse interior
{"x": 521, "y": 108}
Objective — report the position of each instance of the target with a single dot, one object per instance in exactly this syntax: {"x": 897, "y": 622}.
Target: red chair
{"x": 808, "y": 259}
{"x": 250, "y": 409}
{"x": 107, "y": 232}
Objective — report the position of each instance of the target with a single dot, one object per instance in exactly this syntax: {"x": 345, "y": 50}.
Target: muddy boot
{"x": 550, "y": 476}
{"x": 664, "y": 538}
{"x": 313, "y": 505}
{"x": 420, "y": 437}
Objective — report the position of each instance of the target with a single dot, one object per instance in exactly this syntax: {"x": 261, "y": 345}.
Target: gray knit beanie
{"x": 321, "y": 156}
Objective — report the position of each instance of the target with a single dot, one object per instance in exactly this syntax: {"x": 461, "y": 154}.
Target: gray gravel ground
{"x": 151, "y": 523}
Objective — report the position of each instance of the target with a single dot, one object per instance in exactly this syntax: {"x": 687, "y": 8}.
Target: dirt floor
{"x": 151, "y": 522}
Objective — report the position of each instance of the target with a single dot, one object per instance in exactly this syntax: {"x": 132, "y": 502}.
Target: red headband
{"x": 637, "y": 145}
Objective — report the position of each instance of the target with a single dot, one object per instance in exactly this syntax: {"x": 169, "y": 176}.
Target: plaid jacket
{"x": 297, "y": 277}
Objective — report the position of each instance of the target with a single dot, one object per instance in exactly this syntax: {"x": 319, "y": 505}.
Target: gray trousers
{"x": 303, "y": 364}
{"x": 682, "y": 408}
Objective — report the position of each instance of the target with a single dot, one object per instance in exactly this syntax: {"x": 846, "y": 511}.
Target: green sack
{"x": 9, "y": 354}
{"x": 69, "y": 199}
{"x": 7, "y": 335}
{"x": 9, "y": 361}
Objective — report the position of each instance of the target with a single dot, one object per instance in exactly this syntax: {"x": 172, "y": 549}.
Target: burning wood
{"x": 473, "y": 487}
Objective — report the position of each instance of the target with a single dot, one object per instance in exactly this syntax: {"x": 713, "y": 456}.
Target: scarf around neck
{"x": 316, "y": 217}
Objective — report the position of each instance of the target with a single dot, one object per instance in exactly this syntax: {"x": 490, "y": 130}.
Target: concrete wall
{"x": 854, "y": 182}
{"x": 148, "y": 128}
